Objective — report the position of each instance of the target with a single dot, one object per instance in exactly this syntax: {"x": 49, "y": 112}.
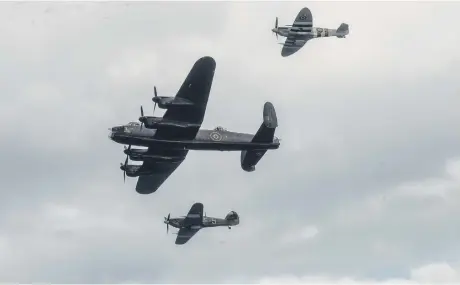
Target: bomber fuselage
{"x": 217, "y": 139}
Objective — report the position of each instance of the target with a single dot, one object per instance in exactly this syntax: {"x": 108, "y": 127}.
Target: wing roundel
{"x": 304, "y": 18}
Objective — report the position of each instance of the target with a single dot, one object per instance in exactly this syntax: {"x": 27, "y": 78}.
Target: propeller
{"x": 142, "y": 118}
{"x": 167, "y": 222}
{"x": 127, "y": 149}
{"x": 156, "y": 96}
{"x": 276, "y": 27}
{"x": 123, "y": 167}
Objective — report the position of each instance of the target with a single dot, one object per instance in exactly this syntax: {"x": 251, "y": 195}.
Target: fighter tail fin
{"x": 265, "y": 134}
{"x": 343, "y": 30}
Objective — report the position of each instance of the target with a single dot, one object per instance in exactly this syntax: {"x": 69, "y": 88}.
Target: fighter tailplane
{"x": 265, "y": 134}
{"x": 342, "y": 30}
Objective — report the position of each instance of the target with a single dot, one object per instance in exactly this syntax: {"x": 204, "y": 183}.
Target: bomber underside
{"x": 195, "y": 144}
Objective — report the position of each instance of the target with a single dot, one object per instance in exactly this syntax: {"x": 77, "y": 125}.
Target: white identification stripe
{"x": 302, "y": 23}
{"x": 193, "y": 215}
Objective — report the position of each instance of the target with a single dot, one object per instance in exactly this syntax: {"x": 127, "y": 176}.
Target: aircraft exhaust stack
{"x": 265, "y": 134}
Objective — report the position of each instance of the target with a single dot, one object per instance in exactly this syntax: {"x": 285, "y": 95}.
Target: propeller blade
{"x": 124, "y": 169}
{"x": 276, "y": 23}
{"x": 142, "y": 115}
{"x": 167, "y": 228}
{"x": 169, "y": 215}
{"x": 156, "y": 95}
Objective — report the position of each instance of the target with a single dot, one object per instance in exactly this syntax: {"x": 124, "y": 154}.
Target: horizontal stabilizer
{"x": 343, "y": 29}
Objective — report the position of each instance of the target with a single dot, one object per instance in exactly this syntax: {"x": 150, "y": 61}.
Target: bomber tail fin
{"x": 265, "y": 134}
{"x": 342, "y": 30}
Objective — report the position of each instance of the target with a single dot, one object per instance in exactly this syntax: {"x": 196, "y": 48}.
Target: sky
{"x": 364, "y": 187}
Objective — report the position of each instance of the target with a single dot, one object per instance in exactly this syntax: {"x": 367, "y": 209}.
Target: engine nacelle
{"x": 168, "y": 102}
{"x": 157, "y": 122}
{"x": 142, "y": 155}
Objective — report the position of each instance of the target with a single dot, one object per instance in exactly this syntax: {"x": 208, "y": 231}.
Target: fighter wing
{"x": 196, "y": 89}
{"x": 299, "y": 33}
{"x": 303, "y": 21}
{"x": 293, "y": 43}
{"x": 161, "y": 170}
{"x": 185, "y": 234}
{"x": 194, "y": 216}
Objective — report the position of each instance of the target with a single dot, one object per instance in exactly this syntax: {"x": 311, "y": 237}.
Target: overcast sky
{"x": 365, "y": 184}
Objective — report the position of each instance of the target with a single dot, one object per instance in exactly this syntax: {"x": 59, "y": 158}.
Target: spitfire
{"x": 194, "y": 221}
{"x": 302, "y": 30}
{"x": 168, "y": 139}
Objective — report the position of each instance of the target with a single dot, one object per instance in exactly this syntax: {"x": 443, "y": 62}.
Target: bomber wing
{"x": 298, "y": 33}
{"x": 196, "y": 89}
{"x": 161, "y": 170}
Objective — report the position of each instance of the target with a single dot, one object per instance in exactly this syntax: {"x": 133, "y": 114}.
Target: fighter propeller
{"x": 167, "y": 222}
{"x": 276, "y": 27}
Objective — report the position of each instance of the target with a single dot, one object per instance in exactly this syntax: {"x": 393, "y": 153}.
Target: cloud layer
{"x": 365, "y": 184}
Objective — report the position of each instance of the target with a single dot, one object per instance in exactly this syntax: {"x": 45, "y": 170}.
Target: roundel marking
{"x": 303, "y": 17}
{"x": 215, "y": 136}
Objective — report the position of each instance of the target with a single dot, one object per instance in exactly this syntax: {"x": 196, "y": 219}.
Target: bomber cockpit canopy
{"x": 133, "y": 124}
{"x": 219, "y": 128}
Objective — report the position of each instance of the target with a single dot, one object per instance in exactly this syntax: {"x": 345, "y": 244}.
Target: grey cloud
{"x": 357, "y": 117}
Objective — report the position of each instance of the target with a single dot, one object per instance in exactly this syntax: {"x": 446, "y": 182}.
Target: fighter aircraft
{"x": 168, "y": 139}
{"x": 302, "y": 30}
{"x": 194, "y": 221}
